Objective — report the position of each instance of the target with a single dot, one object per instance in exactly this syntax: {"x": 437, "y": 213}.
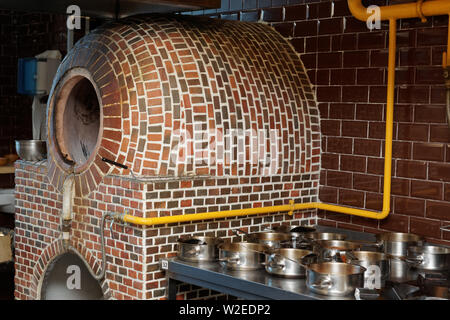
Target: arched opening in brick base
{"x": 50, "y": 258}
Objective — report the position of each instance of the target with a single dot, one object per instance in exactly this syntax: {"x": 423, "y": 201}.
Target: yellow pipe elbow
{"x": 358, "y": 10}
{"x": 401, "y": 11}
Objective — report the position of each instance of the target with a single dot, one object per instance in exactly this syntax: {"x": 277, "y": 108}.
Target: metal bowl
{"x": 31, "y": 150}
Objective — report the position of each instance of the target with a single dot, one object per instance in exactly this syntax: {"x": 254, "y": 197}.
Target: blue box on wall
{"x": 26, "y": 76}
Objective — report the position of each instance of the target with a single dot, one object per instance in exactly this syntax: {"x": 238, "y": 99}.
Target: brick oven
{"x": 203, "y": 114}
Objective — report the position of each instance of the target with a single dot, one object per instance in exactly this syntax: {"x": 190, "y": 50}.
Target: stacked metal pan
{"x": 331, "y": 264}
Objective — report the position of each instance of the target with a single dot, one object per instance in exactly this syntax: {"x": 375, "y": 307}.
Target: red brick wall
{"x": 133, "y": 252}
{"x": 347, "y": 64}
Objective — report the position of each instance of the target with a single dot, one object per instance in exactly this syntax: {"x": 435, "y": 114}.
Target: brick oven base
{"x": 133, "y": 252}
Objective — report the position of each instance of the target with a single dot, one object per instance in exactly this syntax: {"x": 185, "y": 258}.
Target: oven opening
{"x": 77, "y": 121}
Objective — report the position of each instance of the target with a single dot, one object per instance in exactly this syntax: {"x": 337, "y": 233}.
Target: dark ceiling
{"x": 108, "y": 8}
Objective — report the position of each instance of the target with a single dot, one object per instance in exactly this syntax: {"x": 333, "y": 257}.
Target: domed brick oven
{"x": 203, "y": 115}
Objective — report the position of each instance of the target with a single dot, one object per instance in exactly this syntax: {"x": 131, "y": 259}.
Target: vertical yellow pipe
{"x": 389, "y": 114}
{"x": 388, "y": 140}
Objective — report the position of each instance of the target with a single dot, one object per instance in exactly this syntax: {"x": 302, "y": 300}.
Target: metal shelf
{"x": 252, "y": 285}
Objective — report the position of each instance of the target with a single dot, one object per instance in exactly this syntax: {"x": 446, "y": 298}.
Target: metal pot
{"x": 294, "y": 229}
{"x": 297, "y": 234}
{"x": 199, "y": 249}
{"x": 242, "y": 255}
{"x": 286, "y": 262}
{"x": 309, "y": 239}
{"x": 31, "y": 150}
{"x": 394, "y": 243}
{"x": 397, "y": 243}
{"x": 334, "y": 278}
{"x": 316, "y": 236}
{"x": 273, "y": 240}
{"x": 399, "y": 270}
{"x": 433, "y": 258}
{"x": 334, "y": 250}
{"x": 377, "y": 265}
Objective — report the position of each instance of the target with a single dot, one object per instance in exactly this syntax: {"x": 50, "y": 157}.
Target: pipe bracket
{"x": 292, "y": 203}
{"x": 118, "y": 217}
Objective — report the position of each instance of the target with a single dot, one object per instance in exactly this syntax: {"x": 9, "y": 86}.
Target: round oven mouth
{"x": 77, "y": 120}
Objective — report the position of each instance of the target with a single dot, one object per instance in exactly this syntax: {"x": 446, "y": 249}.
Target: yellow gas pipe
{"x": 391, "y": 13}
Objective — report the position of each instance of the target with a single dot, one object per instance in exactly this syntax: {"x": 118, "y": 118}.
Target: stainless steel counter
{"x": 255, "y": 285}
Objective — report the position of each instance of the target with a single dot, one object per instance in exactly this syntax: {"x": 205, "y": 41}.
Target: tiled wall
{"x": 347, "y": 64}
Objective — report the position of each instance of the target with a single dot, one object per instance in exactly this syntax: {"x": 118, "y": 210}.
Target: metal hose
{"x": 100, "y": 276}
